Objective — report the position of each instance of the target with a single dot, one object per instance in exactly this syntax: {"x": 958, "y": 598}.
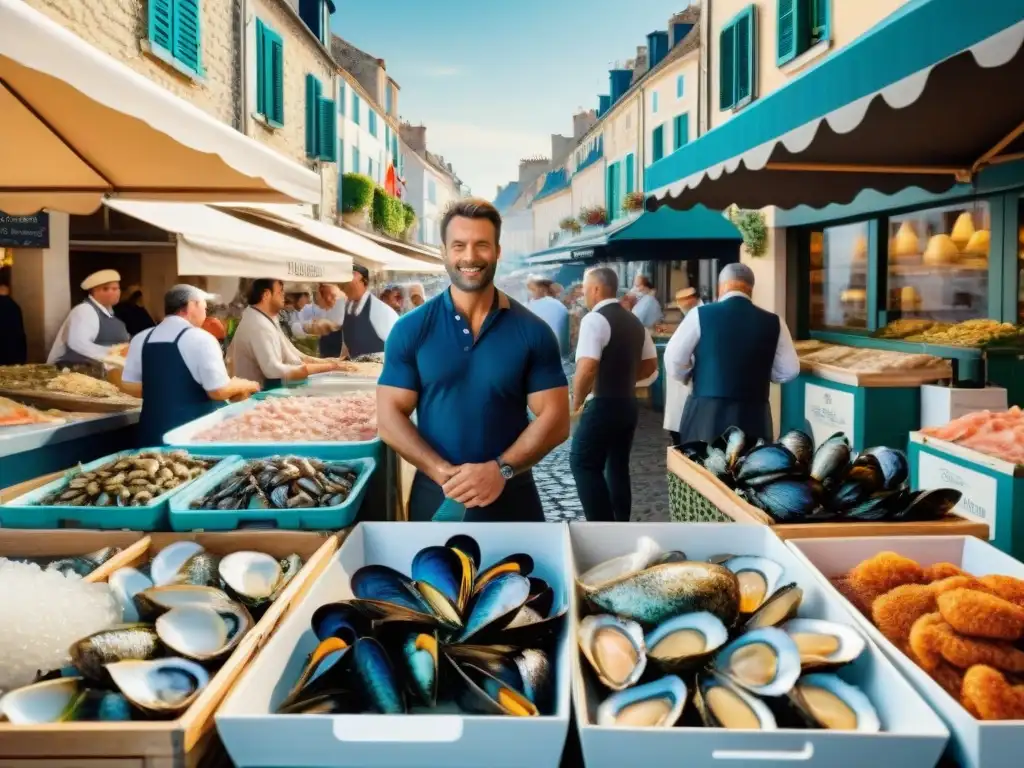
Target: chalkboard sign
{"x": 25, "y": 231}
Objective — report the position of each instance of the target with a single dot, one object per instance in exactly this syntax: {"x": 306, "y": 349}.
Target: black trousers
{"x": 674, "y": 436}
{"x": 518, "y": 503}
{"x": 599, "y": 458}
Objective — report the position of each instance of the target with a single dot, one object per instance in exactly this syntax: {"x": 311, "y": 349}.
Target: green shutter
{"x": 727, "y": 67}
{"x": 261, "y": 68}
{"x": 342, "y": 95}
{"x": 355, "y": 107}
{"x": 682, "y": 131}
{"x": 745, "y": 59}
{"x": 313, "y": 90}
{"x": 161, "y": 23}
{"x": 658, "y": 144}
{"x": 794, "y": 28}
{"x": 820, "y": 22}
{"x": 275, "y": 100}
{"x": 186, "y": 35}
{"x": 328, "y": 130}
{"x": 630, "y": 173}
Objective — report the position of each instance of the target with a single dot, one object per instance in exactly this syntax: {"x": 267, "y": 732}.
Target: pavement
{"x": 647, "y": 474}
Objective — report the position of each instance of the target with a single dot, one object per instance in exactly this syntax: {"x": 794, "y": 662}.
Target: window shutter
{"x": 745, "y": 54}
{"x": 355, "y": 107}
{"x": 186, "y": 35}
{"x": 276, "y": 115}
{"x": 787, "y": 47}
{"x": 820, "y": 28}
{"x": 261, "y": 68}
{"x": 328, "y": 130}
{"x": 727, "y": 67}
{"x": 342, "y": 95}
{"x": 630, "y": 173}
{"x": 682, "y": 131}
{"x": 355, "y": 160}
{"x": 680, "y": 87}
{"x": 658, "y": 144}
{"x": 160, "y": 23}
{"x": 312, "y": 116}
{"x": 341, "y": 163}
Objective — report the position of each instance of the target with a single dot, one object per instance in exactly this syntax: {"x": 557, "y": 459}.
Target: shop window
{"x": 938, "y": 263}
{"x": 838, "y": 277}
{"x": 175, "y": 34}
{"x": 802, "y": 24}
{"x": 269, "y": 74}
{"x": 737, "y": 51}
{"x": 681, "y": 132}
{"x": 657, "y": 143}
{"x": 312, "y": 13}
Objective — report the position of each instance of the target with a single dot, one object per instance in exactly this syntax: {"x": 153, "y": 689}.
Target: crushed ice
{"x": 42, "y": 613}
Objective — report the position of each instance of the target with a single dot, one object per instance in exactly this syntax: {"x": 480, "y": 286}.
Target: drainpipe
{"x": 703, "y": 82}
{"x": 245, "y": 124}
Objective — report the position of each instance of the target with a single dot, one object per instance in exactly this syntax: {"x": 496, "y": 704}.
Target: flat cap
{"x": 104, "y": 276}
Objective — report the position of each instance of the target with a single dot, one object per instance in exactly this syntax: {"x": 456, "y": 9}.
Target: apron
{"x": 706, "y": 418}
{"x": 330, "y": 344}
{"x": 171, "y": 397}
{"x": 112, "y": 331}
{"x": 676, "y": 394}
{"x": 360, "y": 337}
{"x": 518, "y": 503}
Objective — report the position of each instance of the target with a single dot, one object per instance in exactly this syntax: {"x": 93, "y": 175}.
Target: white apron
{"x": 675, "y": 397}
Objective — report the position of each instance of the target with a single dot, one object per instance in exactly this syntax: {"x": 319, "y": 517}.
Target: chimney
{"x": 680, "y": 24}
{"x": 619, "y": 80}
{"x": 641, "y": 62}
{"x": 415, "y": 136}
{"x": 657, "y": 44}
{"x": 582, "y": 122}
{"x": 604, "y": 103}
{"x": 531, "y": 169}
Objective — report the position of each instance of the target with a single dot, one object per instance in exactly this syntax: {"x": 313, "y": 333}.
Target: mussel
{"x": 764, "y": 464}
{"x": 831, "y": 460}
{"x": 724, "y": 705}
{"x": 826, "y": 701}
{"x": 732, "y": 443}
{"x": 420, "y": 656}
{"x": 786, "y": 500}
{"x": 758, "y": 578}
{"x": 376, "y": 677}
{"x": 685, "y": 642}
{"x": 824, "y": 644}
{"x": 658, "y": 704}
{"x": 765, "y": 662}
{"x": 615, "y": 649}
{"x": 482, "y": 692}
{"x": 800, "y": 445}
{"x": 893, "y": 463}
{"x": 922, "y": 506}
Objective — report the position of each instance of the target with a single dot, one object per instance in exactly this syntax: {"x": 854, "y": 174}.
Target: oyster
{"x": 126, "y": 583}
{"x": 685, "y": 641}
{"x": 658, "y": 704}
{"x": 51, "y": 701}
{"x": 765, "y": 662}
{"x": 166, "y": 564}
{"x": 252, "y": 577}
{"x": 164, "y": 687}
{"x": 824, "y": 644}
{"x": 647, "y": 551}
{"x": 200, "y": 633}
{"x": 615, "y": 649}
{"x": 780, "y": 607}
{"x": 826, "y": 701}
{"x": 724, "y": 705}
{"x": 758, "y": 578}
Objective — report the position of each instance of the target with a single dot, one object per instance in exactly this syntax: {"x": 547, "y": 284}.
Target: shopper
{"x": 550, "y": 310}
{"x": 259, "y": 349}
{"x": 177, "y": 368}
{"x": 392, "y": 296}
{"x": 132, "y": 313}
{"x": 646, "y": 307}
{"x": 417, "y": 296}
{"x": 733, "y": 351}
{"x": 676, "y": 391}
{"x": 91, "y": 330}
{"x": 322, "y": 319}
{"x": 13, "y": 342}
{"x": 294, "y": 303}
{"x": 615, "y": 354}
{"x": 368, "y": 320}
{"x": 470, "y": 363}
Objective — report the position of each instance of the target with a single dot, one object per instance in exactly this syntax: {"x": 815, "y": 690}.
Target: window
{"x": 681, "y": 131}
{"x": 389, "y": 98}
{"x": 654, "y": 102}
{"x": 838, "y": 277}
{"x": 657, "y": 143}
{"x": 394, "y": 149}
{"x": 321, "y": 122}
{"x": 355, "y": 107}
{"x": 802, "y": 24}
{"x": 341, "y": 97}
{"x": 613, "y": 190}
{"x": 680, "y": 86}
{"x": 737, "y": 73}
{"x": 369, "y": 168}
{"x": 355, "y": 160}
{"x": 938, "y": 263}
{"x": 371, "y": 123}
{"x": 175, "y": 33}
{"x": 630, "y": 172}
{"x": 431, "y": 191}
{"x": 269, "y": 74}
{"x": 312, "y": 13}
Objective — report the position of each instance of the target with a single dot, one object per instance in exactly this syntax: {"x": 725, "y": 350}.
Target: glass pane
{"x": 838, "y": 274}
{"x": 938, "y": 264}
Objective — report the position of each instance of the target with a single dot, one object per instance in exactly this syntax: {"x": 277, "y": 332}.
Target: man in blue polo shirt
{"x": 470, "y": 362}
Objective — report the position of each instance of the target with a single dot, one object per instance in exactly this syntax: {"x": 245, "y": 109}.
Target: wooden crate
{"x": 698, "y": 496}
{"x": 70, "y": 543}
{"x": 189, "y": 741}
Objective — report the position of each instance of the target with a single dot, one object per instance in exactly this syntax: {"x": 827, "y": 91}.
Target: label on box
{"x": 979, "y": 491}
{"x": 828, "y": 411}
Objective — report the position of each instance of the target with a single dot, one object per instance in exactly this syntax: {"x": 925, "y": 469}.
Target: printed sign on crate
{"x": 828, "y": 411}
{"x": 979, "y": 491}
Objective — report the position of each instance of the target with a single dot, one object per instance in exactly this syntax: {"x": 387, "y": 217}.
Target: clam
{"x": 477, "y": 690}
{"x": 200, "y": 633}
{"x": 724, "y": 705}
{"x": 826, "y": 701}
{"x": 824, "y": 644}
{"x": 126, "y": 583}
{"x": 376, "y": 678}
{"x": 765, "y": 662}
{"x": 660, "y": 592}
{"x": 200, "y": 570}
{"x": 686, "y": 641}
{"x": 165, "y": 687}
{"x": 768, "y": 461}
{"x": 800, "y": 445}
{"x": 646, "y": 552}
{"x": 151, "y": 602}
{"x": 166, "y": 564}
{"x": 127, "y": 642}
{"x": 252, "y": 577}
{"x": 758, "y": 578}
{"x": 893, "y": 463}
{"x": 658, "y": 704}
{"x": 615, "y": 649}
{"x": 496, "y": 604}
{"x": 780, "y": 607}
{"x": 51, "y": 701}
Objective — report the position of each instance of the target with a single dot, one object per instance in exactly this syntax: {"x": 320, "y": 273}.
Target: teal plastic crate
{"x": 26, "y": 511}
{"x": 184, "y": 437}
{"x": 183, "y": 518}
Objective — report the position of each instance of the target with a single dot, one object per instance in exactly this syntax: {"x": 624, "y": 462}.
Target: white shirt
{"x": 647, "y": 310}
{"x": 314, "y": 311}
{"x": 676, "y": 391}
{"x": 198, "y": 348}
{"x": 679, "y": 352}
{"x": 382, "y": 317}
{"x": 553, "y": 312}
{"x": 79, "y": 332}
{"x": 596, "y": 332}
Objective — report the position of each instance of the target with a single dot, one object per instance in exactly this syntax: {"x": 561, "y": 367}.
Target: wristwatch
{"x": 506, "y": 469}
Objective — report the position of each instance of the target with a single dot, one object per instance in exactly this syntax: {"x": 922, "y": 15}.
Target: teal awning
{"x": 665, "y": 235}
{"x": 917, "y": 101}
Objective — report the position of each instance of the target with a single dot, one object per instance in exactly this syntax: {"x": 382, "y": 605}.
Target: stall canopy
{"x": 77, "y": 125}
{"x": 362, "y": 250}
{"x": 213, "y": 243}
{"x": 661, "y": 236}
{"x": 929, "y": 99}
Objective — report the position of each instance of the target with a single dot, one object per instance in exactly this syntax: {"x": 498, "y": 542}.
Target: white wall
{"x": 547, "y": 213}
{"x": 352, "y": 136}
{"x": 517, "y": 234}
{"x": 662, "y": 90}
{"x": 588, "y": 188}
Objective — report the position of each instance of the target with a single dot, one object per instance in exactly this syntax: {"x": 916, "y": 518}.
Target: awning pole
{"x": 1011, "y": 158}
{"x": 843, "y": 168}
{"x": 989, "y": 156}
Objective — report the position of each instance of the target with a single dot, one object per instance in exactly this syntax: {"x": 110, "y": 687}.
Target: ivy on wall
{"x": 752, "y": 227}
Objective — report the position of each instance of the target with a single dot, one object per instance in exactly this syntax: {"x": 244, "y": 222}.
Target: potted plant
{"x": 594, "y": 217}
{"x": 569, "y": 224}
{"x": 633, "y": 202}
{"x": 356, "y": 196}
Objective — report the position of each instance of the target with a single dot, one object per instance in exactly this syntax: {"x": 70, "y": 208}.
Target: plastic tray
{"x": 183, "y": 437}
{"x": 317, "y": 519}
{"x": 26, "y": 511}
{"x": 319, "y": 388}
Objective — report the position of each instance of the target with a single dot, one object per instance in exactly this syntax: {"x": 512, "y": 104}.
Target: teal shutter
{"x": 275, "y": 95}
{"x": 342, "y": 95}
{"x": 680, "y": 87}
{"x": 355, "y": 160}
{"x": 745, "y": 56}
{"x": 630, "y": 173}
{"x": 355, "y": 107}
{"x": 371, "y": 121}
{"x": 313, "y": 91}
{"x": 161, "y": 23}
{"x": 658, "y": 144}
{"x": 328, "y": 131}
{"x": 820, "y": 22}
{"x": 186, "y": 39}
{"x": 261, "y": 67}
{"x": 794, "y": 29}
{"x": 682, "y": 131}
{"x": 727, "y": 67}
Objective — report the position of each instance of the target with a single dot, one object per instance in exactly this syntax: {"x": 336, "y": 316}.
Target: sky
{"x": 492, "y": 80}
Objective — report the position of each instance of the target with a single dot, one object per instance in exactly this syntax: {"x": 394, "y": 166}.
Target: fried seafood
{"x": 979, "y": 614}
{"x": 931, "y": 638}
{"x": 986, "y": 694}
{"x": 846, "y": 588}
{"x": 950, "y": 678}
{"x": 940, "y": 571}
{"x": 1006, "y": 587}
{"x": 885, "y": 571}
{"x": 954, "y": 582}
{"x": 922, "y": 642}
{"x": 895, "y": 612}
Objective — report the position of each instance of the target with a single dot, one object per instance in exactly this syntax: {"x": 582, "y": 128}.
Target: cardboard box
{"x": 912, "y": 736}
{"x": 254, "y": 736}
{"x": 179, "y": 743}
{"x": 973, "y": 743}
{"x": 940, "y": 405}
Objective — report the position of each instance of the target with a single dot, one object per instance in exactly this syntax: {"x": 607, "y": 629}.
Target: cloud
{"x": 442, "y": 71}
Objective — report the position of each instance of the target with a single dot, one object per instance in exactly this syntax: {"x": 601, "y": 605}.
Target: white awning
{"x": 363, "y": 250}
{"x": 78, "y": 125}
{"x": 213, "y": 243}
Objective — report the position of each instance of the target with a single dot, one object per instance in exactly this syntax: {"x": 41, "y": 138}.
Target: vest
{"x": 734, "y": 357}
{"x": 616, "y": 375}
{"x": 112, "y": 331}
{"x": 359, "y": 334}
